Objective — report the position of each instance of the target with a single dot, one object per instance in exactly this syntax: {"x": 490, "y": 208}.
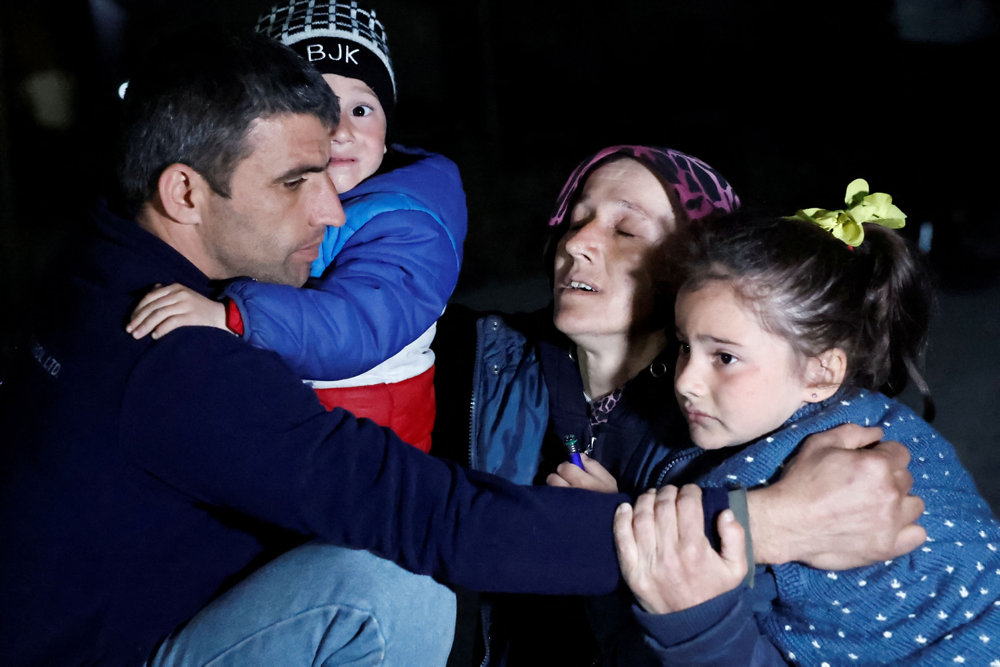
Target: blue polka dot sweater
{"x": 938, "y": 605}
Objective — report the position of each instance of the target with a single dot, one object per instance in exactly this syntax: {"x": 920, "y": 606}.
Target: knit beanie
{"x": 336, "y": 38}
{"x": 696, "y": 189}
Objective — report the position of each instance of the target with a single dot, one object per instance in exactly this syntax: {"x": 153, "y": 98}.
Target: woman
{"x": 602, "y": 375}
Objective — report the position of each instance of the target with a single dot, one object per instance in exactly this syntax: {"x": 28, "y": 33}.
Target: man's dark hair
{"x": 193, "y": 102}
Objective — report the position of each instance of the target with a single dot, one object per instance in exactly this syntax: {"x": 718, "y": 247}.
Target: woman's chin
{"x": 575, "y": 319}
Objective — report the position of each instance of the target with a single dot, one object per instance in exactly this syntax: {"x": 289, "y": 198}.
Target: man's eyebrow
{"x": 295, "y": 172}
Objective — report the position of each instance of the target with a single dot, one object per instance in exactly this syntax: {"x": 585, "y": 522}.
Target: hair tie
{"x": 862, "y": 206}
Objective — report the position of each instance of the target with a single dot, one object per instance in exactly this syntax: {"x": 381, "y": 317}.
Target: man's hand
{"x": 167, "y": 308}
{"x": 594, "y": 476}
{"x": 840, "y": 503}
{"x": 665, "y": 557}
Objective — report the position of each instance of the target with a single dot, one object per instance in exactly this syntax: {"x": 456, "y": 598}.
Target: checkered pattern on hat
{"x": 299, "y": 20}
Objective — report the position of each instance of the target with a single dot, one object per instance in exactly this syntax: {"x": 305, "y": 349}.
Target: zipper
{"x": 476, "y": 375}
{"x": 682, "y": 456}
{"x": 485, "y": 618}
{"x": 476, "y": 380}
{"x": 487, "y": 637}
{"x": 589, "y": 436}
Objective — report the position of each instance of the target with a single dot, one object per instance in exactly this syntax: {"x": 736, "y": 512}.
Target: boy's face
{"x": 735, "y": 381}
{"x": 358, "y": 144}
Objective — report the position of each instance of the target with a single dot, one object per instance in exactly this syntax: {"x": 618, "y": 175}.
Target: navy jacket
{"x": 142, "y": 478}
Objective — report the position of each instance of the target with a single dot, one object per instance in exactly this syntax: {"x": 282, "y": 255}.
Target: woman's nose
{"x": 585, "y": 240}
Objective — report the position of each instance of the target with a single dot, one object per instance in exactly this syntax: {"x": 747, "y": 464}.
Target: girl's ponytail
{"x": 895, "y": 313}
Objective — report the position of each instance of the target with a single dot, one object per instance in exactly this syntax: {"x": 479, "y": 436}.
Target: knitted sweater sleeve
{"x": 935, "y": 605}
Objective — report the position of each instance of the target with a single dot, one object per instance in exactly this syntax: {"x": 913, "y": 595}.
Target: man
{"x": 156, "y": 495}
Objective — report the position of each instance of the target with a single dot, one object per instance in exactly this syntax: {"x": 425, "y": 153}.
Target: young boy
{"x": 360, "y": 331}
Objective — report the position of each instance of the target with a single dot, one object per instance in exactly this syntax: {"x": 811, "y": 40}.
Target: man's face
{"x": 281, "y": 202}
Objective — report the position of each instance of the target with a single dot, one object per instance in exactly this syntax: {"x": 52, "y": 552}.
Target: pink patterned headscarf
{"x": 702, "y": 191}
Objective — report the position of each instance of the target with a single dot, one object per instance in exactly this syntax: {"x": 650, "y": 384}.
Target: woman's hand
{"x": 167, "y": 308}
{"x": 665, "y": 557}
{"x": 842, "y": 502}
{"x": 593, "y": 476}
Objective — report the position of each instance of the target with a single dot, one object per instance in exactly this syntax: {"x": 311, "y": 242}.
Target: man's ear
{"x": 824, "y": 374}
{"x": 181, "y": 191}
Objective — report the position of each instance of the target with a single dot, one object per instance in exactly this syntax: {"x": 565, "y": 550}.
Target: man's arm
{"x": 224, "y": 425}
{"x": 840, "y": 503}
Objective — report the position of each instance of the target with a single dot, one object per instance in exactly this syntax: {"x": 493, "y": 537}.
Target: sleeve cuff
{"x": 682, "y": 626}
{"x": 738, "y": 503}
{"x": 713, "y": 502}
{"x": 234, "y": 319}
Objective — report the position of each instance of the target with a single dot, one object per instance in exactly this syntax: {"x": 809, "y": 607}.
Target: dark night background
{"x": 790, "y": 100}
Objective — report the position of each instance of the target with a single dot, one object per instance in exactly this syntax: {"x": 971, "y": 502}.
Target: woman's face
{"x": 602, "y": 277}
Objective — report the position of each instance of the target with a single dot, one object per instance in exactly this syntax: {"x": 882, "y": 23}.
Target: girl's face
{"x": 358, "y": 144}
{"x": 602, "y": 279}
{"x": 735, "y": 381}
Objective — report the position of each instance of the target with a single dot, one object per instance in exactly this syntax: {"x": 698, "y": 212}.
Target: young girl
{"x": 361, "y": 334}
{"x": 788, "y": 327}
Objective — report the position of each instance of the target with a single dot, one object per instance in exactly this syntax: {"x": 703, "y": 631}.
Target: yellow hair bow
{"x": 862, "y": 207}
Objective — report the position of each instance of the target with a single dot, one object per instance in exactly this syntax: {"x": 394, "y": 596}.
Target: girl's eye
{"x": 683, "y": 348}
{"x": 361, "y": 110}
{"x": 624, "y": 232}
{"x": 726, "y": 359}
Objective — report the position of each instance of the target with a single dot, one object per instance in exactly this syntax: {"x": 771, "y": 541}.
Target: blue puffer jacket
{"x": 380, "y": 281}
